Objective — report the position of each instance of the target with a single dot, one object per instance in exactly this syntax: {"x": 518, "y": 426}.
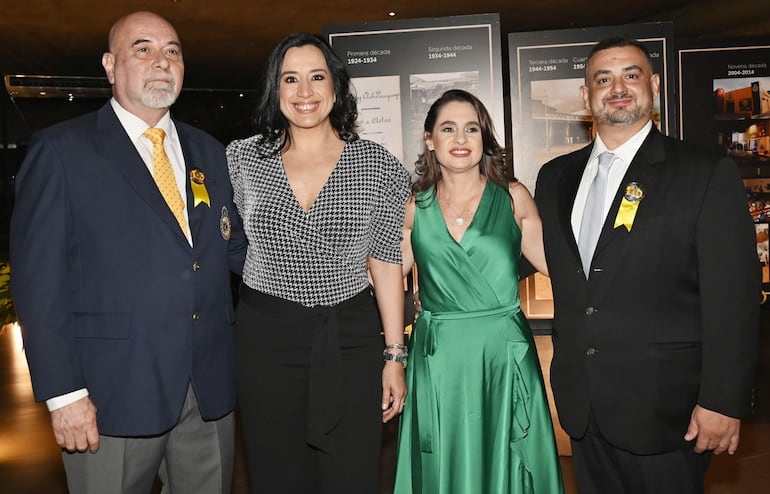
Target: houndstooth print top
{"x": 318, "y": 257}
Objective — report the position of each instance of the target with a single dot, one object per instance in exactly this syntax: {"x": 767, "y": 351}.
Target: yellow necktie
{"x": 164, "y": 176}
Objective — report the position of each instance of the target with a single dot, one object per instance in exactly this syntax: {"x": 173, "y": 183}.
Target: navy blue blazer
{"x": 669, "y": 316}
{"x": 109, "y": 293}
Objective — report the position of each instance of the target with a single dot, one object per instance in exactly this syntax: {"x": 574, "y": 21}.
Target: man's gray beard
{"x": 158, "y": 98}
{"x": 624, "y": 117}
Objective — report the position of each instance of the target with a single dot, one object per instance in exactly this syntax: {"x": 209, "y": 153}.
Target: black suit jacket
{"x": 669, "y": 316}
{"x": 110, "y": 294}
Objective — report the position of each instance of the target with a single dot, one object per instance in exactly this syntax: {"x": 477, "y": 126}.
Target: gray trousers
{"x": 194, "y": 457}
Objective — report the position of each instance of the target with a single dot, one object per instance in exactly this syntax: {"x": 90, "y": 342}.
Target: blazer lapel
{"x": 113, "y": 144}
{"x": 642, "y": 171}
{"x": 569, "y": 180}
{"x": 194, "y": 160}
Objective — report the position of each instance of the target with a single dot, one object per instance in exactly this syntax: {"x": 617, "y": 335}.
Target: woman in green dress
{"x": 476, "y": 419}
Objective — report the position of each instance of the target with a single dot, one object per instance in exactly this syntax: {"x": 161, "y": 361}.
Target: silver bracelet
{"x": 396, "y": 346}
{"x": 400, "y": 358}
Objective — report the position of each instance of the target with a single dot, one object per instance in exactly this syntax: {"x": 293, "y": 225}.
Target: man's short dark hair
{"x": 617, "y": 42}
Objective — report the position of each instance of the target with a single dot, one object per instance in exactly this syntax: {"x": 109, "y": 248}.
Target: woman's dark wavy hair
{"x": 268, "y": 119}
{"x": 492, "y": 164}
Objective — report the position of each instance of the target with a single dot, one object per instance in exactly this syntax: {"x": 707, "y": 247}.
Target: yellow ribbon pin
{"x": 628, "y": 206}
{"x": 200, "y": 194}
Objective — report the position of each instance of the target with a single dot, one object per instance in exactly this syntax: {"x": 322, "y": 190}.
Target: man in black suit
{"x": 122, "y": 239}
{"x": 655, "y": 327}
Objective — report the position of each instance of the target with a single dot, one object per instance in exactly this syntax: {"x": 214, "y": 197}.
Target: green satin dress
{"x": 476, "y": 419}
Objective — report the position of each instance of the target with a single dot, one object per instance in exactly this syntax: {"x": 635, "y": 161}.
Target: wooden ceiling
{"x": 226, "y": 41}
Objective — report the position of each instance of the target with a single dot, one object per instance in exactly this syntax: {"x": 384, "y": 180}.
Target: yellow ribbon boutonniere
{"x": 628, "y": 206}
{"x": 200, "y": 194}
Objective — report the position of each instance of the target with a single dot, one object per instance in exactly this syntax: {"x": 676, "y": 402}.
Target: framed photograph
{"x": 724, "y": 93}
{"x": 400, "y": 67}
{"x": 547, "y": 69}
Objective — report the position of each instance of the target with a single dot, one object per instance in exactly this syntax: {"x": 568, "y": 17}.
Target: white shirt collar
{"x": 135, "y": 126}
{"x": 625, "y": 151}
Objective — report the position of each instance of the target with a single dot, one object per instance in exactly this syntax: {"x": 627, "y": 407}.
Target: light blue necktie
{"x": 593, "y": 214}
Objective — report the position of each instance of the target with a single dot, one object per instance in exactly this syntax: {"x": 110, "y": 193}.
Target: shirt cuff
{"x": 66, "y": 399}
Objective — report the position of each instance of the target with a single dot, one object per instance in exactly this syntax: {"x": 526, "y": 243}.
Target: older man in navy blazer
{"x": 656, "y": 312}
{"x": 126, "y": 305}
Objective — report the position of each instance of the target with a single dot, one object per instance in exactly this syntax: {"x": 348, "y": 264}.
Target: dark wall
{"x": 224, "y": 114}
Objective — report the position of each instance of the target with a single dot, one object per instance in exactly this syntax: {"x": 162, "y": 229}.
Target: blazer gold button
{"x": 589, "y": 311}
{"x": 591, "y": 352}
{"x": 196, "y": 316}
{"x": 196, "y": 266}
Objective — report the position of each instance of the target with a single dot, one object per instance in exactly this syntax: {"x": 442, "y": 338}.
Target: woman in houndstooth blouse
{"x": 319, "y": 205}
